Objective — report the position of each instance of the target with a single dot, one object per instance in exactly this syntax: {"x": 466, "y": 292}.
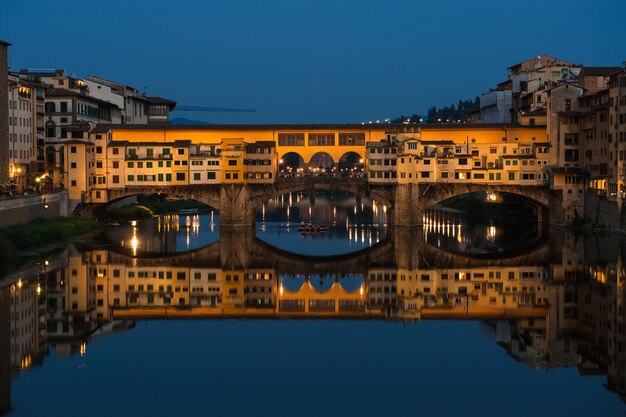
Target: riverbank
{"x": 17, "y": 241}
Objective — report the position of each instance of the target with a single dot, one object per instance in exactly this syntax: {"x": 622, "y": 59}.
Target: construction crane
{"x": 204, "y": 108}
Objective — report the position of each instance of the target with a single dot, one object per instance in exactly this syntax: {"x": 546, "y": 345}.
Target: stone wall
{"x": 22, "y": 210}
{"x": 605, "y": 213}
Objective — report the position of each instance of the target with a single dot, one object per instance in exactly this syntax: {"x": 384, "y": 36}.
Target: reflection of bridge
{"x": 238, "y": 203}
{"x": 240, "y": 249}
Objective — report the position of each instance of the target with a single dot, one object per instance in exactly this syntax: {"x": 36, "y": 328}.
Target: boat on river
{"x": 313, "y": 228}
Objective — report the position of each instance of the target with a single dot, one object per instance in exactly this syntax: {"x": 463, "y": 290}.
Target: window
{"x": 321, "y": 139}
{"x": 210, "y": 175}
{"x": 181, "y": 151}
{"x": 131, "y": 178}
{"x": 73, "y": 165}
{"x": 462, "y": 161}
{"x": 571, "y": 155}
{"x": 180, "y": 176}
{"x": 349, "y": 139}
{"x": 196, "y": 176}
{"x": 116, "y": 179}
{"x": 291, "y": 139}
{"x": 511, "y": 176}
{"x": 131, "y": 165}
{"x": 168, "y": 177}
{"x": 73, "y": 149}
{"x": 232, "y": 162}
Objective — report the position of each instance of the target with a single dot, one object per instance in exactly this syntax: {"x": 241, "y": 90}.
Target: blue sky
{"x": 309, "y": 61}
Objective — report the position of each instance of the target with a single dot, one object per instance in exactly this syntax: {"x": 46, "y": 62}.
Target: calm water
{"x": 354, "y": 222}
{"x": 452, "y": 318}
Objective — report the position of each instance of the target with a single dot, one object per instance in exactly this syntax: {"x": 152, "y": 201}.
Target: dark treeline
{"x": 446, "y": 113}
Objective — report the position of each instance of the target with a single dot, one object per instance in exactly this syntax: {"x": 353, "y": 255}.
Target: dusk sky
{"x": 309, "y": 61}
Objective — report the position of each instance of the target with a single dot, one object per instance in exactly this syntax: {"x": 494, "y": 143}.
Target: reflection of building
{"x": 565, "y": 313}
{"x": 5, "y": 350}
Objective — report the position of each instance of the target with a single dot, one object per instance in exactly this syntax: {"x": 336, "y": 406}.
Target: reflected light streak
{"x": 134, "y": 242}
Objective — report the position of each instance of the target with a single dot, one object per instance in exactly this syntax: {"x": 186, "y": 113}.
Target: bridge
{"x": 238, "y": 203}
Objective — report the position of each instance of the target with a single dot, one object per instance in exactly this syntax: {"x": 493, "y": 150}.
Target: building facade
{"x": 4, "y": 114}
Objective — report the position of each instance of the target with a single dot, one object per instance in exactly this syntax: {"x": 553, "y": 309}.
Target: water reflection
{"x": 170, "y": 233}
{"x": 322, "y": 222}
{"x": 558, "y": 305}
{"x": 448, "y": 229}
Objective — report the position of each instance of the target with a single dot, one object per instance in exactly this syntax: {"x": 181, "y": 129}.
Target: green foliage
{"x": 131, "y": 212}
{"x": 15, "y": 240}
{"x": 452, "y": 113}
{"x": 151, "y": 205}
{"x": 460, "y": 112}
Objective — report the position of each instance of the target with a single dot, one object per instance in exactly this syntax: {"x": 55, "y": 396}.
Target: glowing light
{"x": 83, "y": 349}
{"x": 19, "y": 283}
{"x": 491, "y": 232}
{"x": 133, "y": 223}
{"x": 38, "y": 289}
{"x": 134, "y": 242}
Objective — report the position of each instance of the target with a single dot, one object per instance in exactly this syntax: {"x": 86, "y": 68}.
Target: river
{"x": 175, "y": 316}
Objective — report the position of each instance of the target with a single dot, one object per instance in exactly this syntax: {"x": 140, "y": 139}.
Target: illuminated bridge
{"x": 234, "y": 169}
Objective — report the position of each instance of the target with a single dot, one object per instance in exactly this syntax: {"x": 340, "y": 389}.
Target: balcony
{"x": 153, "y": 157}
{"x": 204, "y": 153}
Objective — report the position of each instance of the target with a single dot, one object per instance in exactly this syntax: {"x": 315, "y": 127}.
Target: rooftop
{"x": 62, "y": 92}
{"x": 312, "y": 126}
{"x": 160, "y": 100}
{"x": 599, "y": 71}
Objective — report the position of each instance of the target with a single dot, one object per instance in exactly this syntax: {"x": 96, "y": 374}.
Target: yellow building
{"x": 233, "y": 151}
{"x": 494, "y": 154}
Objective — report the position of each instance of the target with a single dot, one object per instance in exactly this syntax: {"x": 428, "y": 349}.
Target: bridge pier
{"x": 237, "y": 206}
{"x": 406, "y": 208}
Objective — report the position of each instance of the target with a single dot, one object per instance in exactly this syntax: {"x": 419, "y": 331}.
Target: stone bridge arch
{"x": 413, "y": 199}
{"x": 383, "y": 195}
{"x": 207, "y": 194}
